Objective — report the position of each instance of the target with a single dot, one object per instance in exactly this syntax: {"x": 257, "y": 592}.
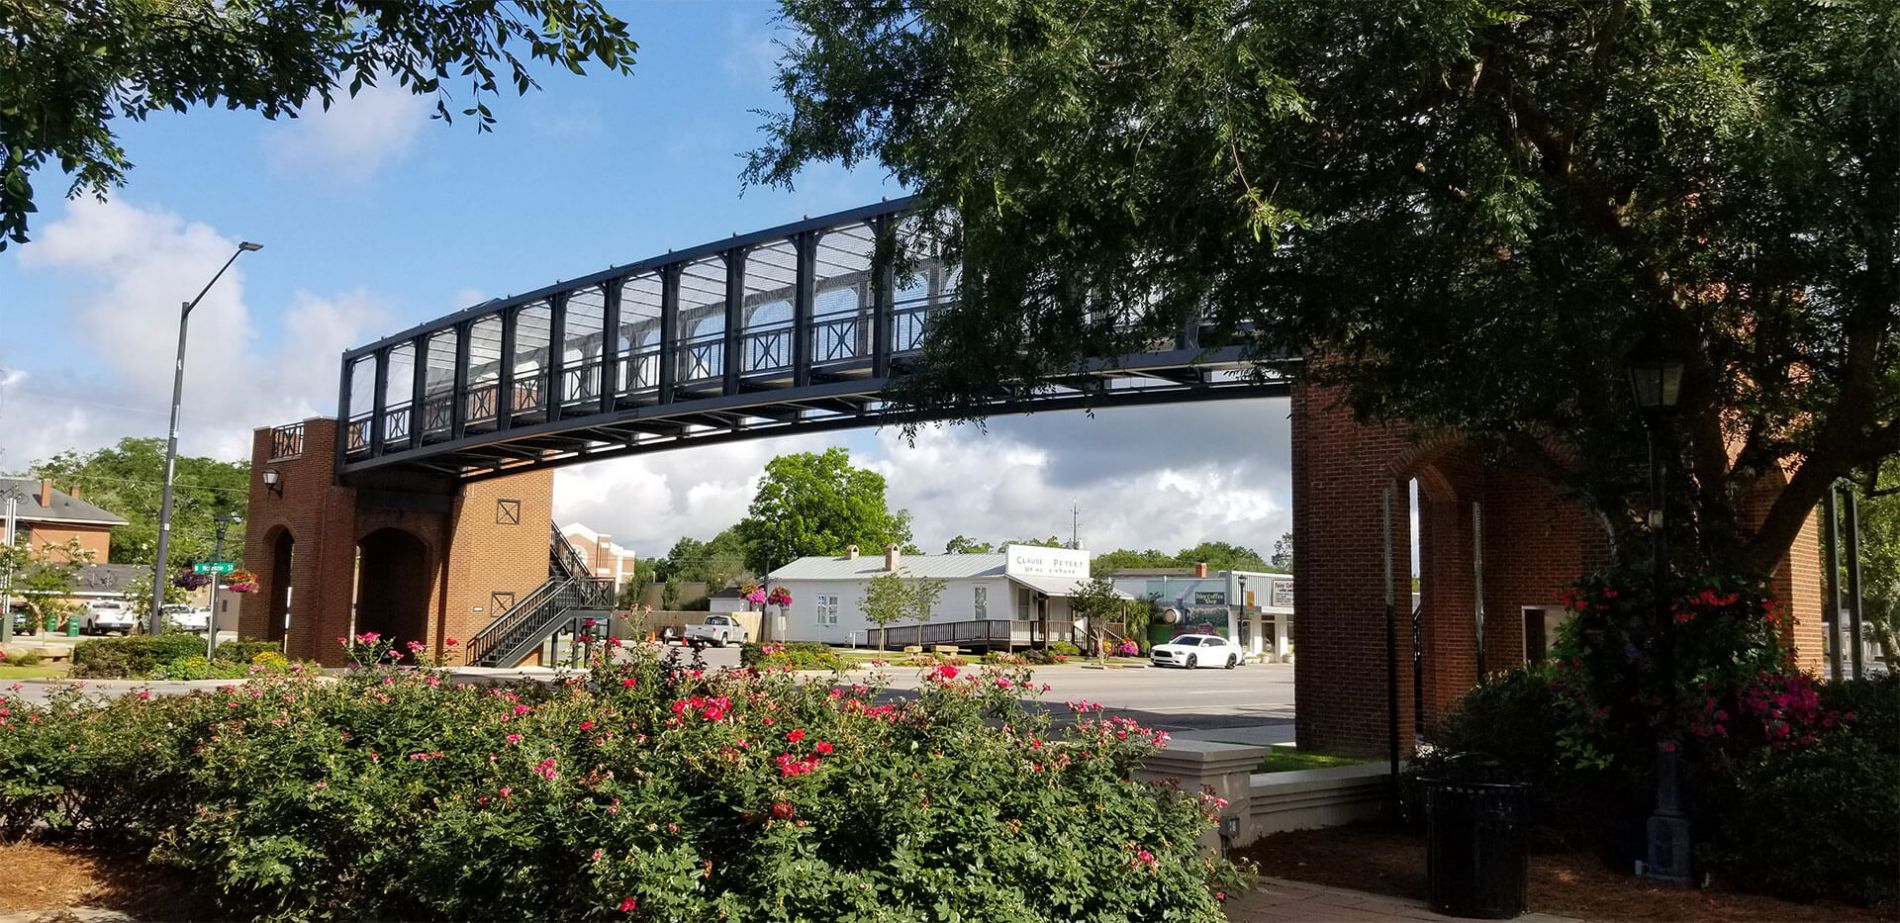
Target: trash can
{"x": 1477, "y": 844}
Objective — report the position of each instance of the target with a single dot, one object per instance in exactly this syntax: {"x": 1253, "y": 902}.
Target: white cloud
{"x": 121, "y": 256}
{"x": 352, "y": 139}
{"x": 1162, "y": 477}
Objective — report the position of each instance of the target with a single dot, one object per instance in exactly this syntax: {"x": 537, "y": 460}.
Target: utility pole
{"x": 6, "y": 579}
{"x": 1075, "y": 525}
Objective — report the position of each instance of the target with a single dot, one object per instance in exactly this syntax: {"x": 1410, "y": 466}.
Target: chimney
{"x": 75, "y": 491}
{"x": 891, "y": 558}
{"x": 46, "y": 493}
{"x": 851, "y": 552}
{"x": 1200, "y": 569}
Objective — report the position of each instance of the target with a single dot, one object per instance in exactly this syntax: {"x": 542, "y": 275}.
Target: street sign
{"x": 214, "y": 567}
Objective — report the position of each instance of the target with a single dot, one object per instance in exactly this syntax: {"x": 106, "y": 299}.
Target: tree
{"x": 1283, "y": 553}
{"x": 885, "y": 600}
{"x": 1407, "y": 196}
{"x": 1096, "y": 600}
{"x": 1880, "y": 563}
{"x": 1050, "y": 542}
{"x": 67, "y": 70}
{"x": 817, "y": 504}
{"x": 1121, "y": 559}
{"x": 923, "y": 593}
{"x": 46, "y": 580}
{"x": 1221, "y": 556}
{"x": 965, "y": 545}
{"x": 128, "y": 479}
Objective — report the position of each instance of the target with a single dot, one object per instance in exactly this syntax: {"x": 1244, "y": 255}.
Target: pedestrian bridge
{"x": 795, "y": 328}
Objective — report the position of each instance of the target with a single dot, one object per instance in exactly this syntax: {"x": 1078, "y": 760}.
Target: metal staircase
{"x": 570, "y": 594}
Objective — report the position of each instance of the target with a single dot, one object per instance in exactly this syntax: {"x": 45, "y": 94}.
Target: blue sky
{"x": 375, "y": 218}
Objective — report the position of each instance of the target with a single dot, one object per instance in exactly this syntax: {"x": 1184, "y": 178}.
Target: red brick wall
{"x": 96, "y": 539}
{"x": 1535, "y": 543}
{"x": 469, "y": 555}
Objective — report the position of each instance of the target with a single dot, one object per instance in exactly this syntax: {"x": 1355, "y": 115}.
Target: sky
{"x": 375, "y": 217}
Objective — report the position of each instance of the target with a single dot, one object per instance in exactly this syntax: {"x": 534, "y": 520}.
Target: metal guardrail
{"x": 286, "y": 441}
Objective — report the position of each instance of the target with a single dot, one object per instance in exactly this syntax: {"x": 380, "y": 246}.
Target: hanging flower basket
{"x": 779, "y": 596}
{"x": 240, "y": 581}
{"x": 190, "y": 580}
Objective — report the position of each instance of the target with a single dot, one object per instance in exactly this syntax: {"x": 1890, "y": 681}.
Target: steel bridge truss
{"x": 795, "y": 328}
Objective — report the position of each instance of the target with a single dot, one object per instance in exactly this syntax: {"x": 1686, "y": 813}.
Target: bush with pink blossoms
{"x": 653, "y": 790}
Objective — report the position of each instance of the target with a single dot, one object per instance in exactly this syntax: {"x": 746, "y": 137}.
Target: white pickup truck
{"x": 717, "y": 630}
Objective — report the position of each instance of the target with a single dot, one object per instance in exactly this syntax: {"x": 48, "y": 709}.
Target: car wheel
{"x": 1232, "y": 661}
{"x": 1193, "y": 661}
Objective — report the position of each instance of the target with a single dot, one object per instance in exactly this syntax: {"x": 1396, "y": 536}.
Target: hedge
{"x": 123, "y": 658}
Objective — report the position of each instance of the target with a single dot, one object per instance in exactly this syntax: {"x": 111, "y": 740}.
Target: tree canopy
{"x": 1216, "y": 555}
{"x": 817, "y": 504}
{"x": 129, "y": 479}
{"x": 69, "y": 69}
{"x": 1467, "y": 215}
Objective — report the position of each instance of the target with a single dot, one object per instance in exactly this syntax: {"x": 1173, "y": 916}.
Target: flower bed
{"x": 658, "y": 792}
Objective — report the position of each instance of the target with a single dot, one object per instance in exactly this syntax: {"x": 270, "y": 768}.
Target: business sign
{"x": 1280, "y": 591}
{"x": 1036, "y": 561}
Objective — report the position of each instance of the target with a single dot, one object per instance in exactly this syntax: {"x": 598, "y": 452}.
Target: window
{"x": 1022, "y": 604}
{"x": 1540, "y": 631}
{"x": 508, "y": 512}
{"x": 980, "y": 601}
{"x": 827, "y": 610}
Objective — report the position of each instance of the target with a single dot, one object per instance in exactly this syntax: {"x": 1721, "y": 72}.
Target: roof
{"x": 1062, "y": 587}
{"x": 107, "y": 580}
{"x": 64, "y": 508}
{"x": 866, "y": 566}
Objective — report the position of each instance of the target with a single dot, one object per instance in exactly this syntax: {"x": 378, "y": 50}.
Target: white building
{"x": 1253, "y": 608}
{"x": 1011, "y": 599}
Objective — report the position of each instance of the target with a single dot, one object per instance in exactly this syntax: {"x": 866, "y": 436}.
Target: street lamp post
{"x": 1657, "y": 384}
{"x": 217, "y": 554}
{"x": 1241, "y": 627}
{"x": 157, "y": 624}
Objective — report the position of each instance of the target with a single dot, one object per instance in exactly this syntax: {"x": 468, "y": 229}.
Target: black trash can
{"x": 1477, "y": 845}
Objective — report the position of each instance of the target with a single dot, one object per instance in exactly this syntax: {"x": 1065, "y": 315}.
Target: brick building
{"x": 45, "y": 515}
{"x": 605, "y": 557}
{"x": 1480, "y": 525}
{"x": 409, "y": 556}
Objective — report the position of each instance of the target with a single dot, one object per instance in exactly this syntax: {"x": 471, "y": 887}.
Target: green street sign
{"x": 214, "y": 567}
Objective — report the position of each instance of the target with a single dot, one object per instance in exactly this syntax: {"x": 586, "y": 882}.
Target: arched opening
{"x": 393, "y": 578}
{"x": 282, "y": 551}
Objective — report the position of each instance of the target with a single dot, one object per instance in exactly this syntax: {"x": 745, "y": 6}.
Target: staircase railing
{"x": 570, "y": 585}
{"x": 529, "y": 622}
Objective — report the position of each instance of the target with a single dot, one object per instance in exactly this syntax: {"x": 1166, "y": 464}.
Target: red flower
{"x": 587, "y": 725}
{"x": 946, "y": 672}
{"x": 629, "y": 682}
{"x": 796, "y": 735}
{"x": 783, "y": 810}
{"x": 627, "y": 905}
{"x": 822, "y": 747}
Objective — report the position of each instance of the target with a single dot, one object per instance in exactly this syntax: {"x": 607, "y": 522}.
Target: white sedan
{"x": 1195, "y": 651}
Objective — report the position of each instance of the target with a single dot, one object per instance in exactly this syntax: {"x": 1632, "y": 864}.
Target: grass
{"x": 41, "y": 670}
{"x": 1289, "y": 759}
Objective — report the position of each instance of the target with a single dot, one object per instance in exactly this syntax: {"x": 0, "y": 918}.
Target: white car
{"x": 188, "y": 618}
{"x": 717, "y": 630}
{"x": 1196, "y": 651}
{"x": 107, "y": 615}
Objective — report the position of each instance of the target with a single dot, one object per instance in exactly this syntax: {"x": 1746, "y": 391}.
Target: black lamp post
{"x": 1656, "y": 381}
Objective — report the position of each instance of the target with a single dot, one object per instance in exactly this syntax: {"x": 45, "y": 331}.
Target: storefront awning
{"x": 1062, "y": 587}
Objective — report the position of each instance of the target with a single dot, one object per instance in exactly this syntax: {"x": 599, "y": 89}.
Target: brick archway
{"x": 395, "y": 575}
{"x": 278, "y": 581}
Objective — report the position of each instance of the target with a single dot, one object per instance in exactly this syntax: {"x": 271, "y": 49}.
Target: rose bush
{"x": 652, "y": 790}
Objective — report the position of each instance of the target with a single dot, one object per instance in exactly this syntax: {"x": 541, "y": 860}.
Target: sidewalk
{"x": 1278, "y": 900}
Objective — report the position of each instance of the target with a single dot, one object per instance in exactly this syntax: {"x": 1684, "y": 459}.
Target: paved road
{"x": 1170, "y": 699}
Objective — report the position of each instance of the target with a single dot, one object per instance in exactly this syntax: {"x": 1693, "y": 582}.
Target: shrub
{"x": 672, "y": 792}
{"x": 792, "y": 655}
{"x": 125, "y": 658}
{"x": 1065, "y": 649}
{"x": 1818, "y": 820}
{"x": 200, "y": 668}
{"x": 1042, "y": 657}
{"x": 1128, "y": 649}
{"x": 1001, "y": 658}
{"x": 246, "y": 651}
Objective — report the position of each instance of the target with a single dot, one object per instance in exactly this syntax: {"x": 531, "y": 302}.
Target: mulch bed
{"x": 1565, "y": 880}
{"x": 47, "y": 879}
